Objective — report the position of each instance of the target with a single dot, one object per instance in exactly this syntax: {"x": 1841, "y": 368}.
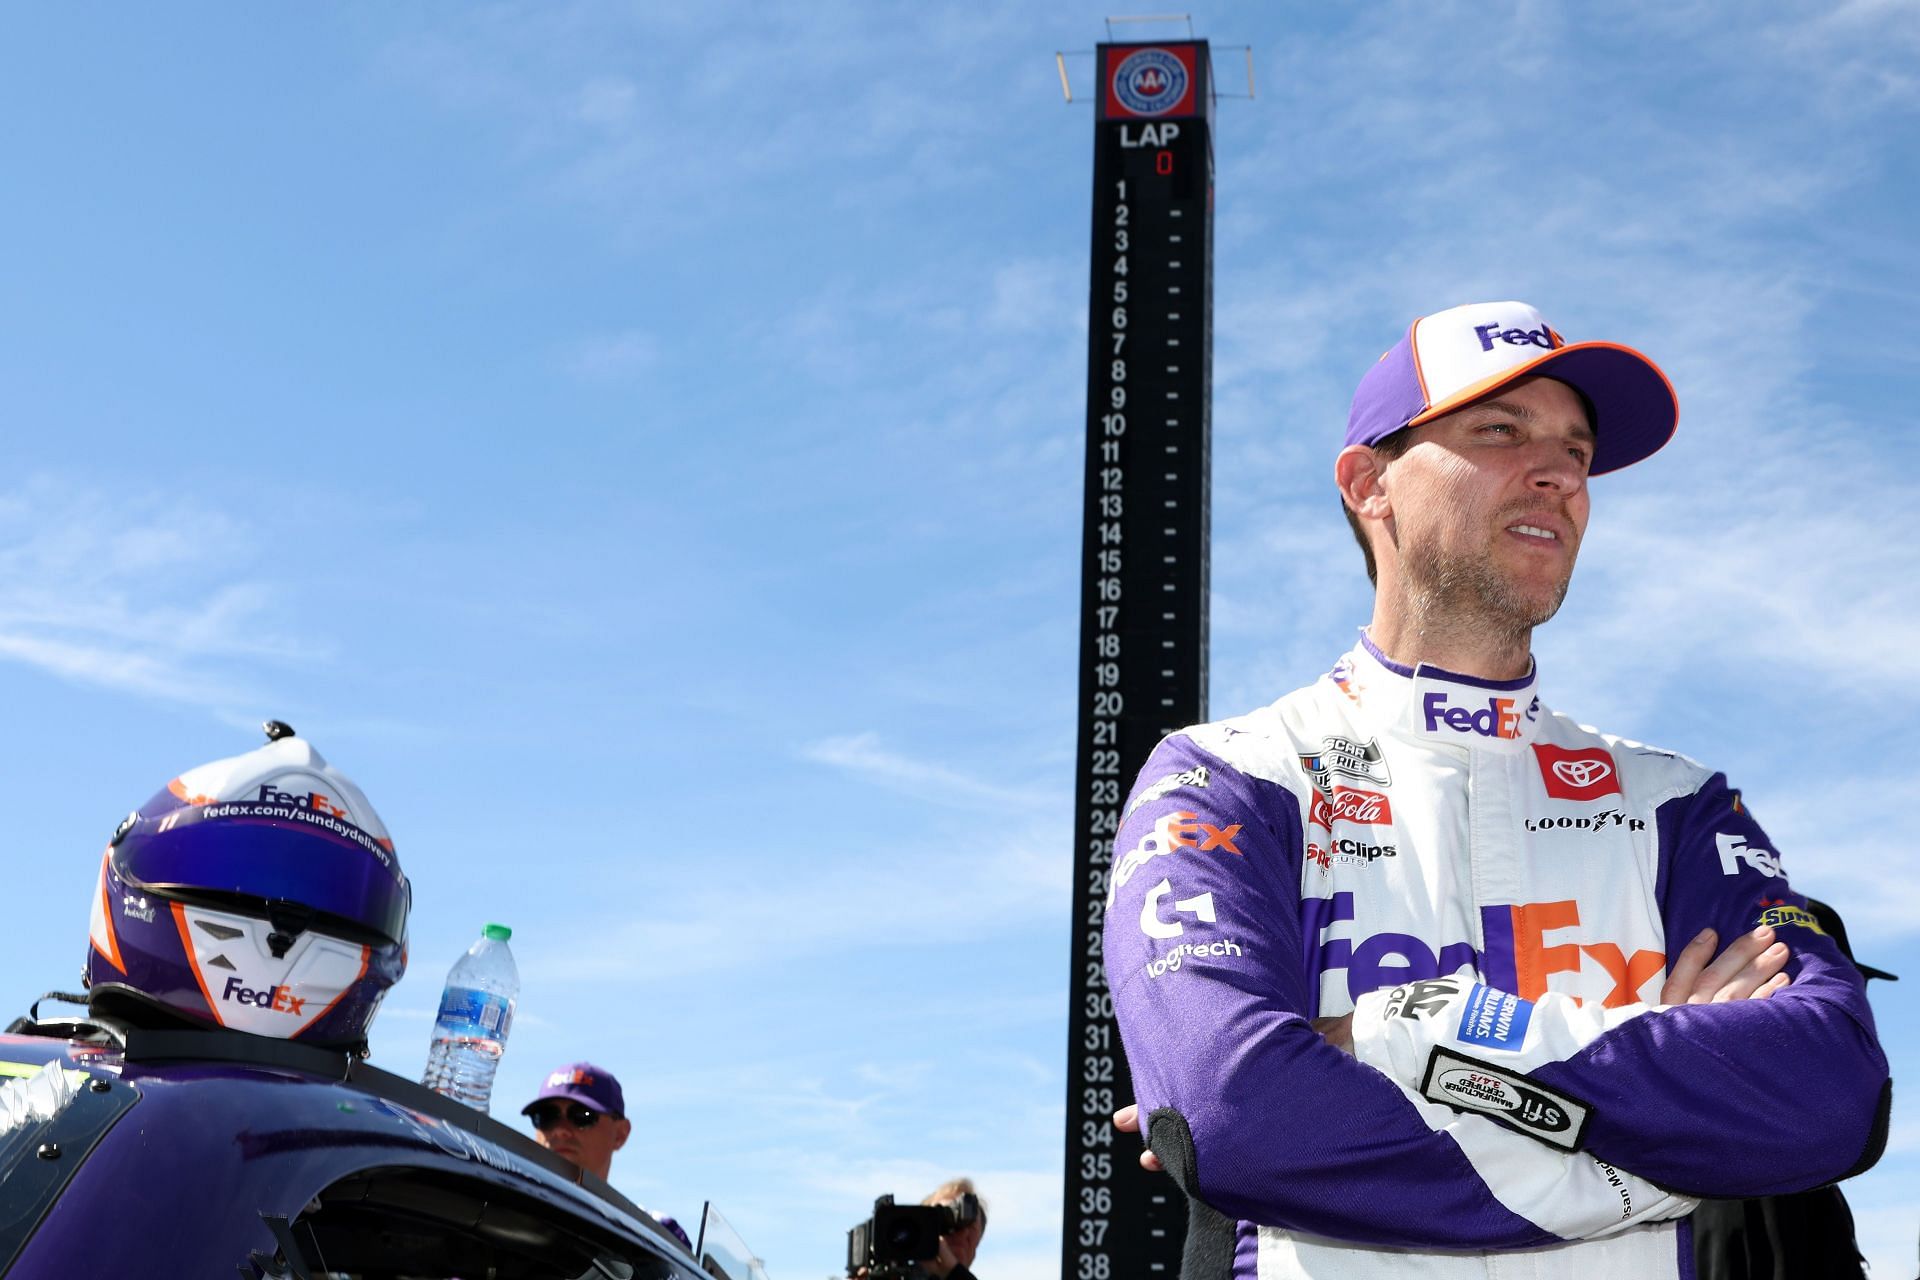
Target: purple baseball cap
{"x": 1452, "y": 358}
{"x": 585, "y": 1083}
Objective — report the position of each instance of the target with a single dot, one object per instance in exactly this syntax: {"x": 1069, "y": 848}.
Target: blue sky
{"x": 641, "y": 445}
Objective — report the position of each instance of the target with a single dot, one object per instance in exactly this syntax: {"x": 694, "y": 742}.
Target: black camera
{"x": 899, "y": 1235}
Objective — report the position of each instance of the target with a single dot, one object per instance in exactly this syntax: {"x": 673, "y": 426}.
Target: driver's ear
{"x": 1359, "y": 472}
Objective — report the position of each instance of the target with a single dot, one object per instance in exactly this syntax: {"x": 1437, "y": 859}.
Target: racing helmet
{"x": 259, "y": 893}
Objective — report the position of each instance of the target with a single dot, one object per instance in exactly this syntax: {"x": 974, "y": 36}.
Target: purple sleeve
{"x": 1204, "y": 952}
{"x": 1748, "y": 1098}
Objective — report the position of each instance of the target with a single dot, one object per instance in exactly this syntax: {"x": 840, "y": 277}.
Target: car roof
{"x": 190, "y": 1143}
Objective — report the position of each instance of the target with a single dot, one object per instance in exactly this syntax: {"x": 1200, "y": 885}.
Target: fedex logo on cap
{"x": 569, "y": 1076}
{"x": 1514, "y": 337}
{"x": 1499, "y": 718}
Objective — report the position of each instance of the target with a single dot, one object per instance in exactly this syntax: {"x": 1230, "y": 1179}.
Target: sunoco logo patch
{"x": 1149, "y": 82}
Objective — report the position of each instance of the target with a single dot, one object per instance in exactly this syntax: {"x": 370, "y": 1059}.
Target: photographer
{"x": 957, "y": 1248}
{"x": 937, "y": 1238}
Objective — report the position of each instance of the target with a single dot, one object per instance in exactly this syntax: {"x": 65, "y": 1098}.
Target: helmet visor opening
{"x": 337, "y": 875}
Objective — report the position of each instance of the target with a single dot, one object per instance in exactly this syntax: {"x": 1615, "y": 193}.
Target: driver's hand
{"x": 1752, "y": 967}
{"x": 1127, "y": 1120}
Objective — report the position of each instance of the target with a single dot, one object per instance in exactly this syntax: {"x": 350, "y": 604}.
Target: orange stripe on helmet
{"x": 193, "y": 962}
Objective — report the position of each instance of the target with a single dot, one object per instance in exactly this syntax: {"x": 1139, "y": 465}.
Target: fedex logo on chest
{"x": 1527, "y": 949}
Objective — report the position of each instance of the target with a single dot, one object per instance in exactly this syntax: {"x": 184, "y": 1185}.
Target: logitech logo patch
{"x": 1200, "y": 908}
{"x": 1171, "y": 962}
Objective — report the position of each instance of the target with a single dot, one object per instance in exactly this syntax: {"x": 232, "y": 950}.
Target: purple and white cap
{"x": 583, "y": 1082}
{"x": 1451, "y": 358}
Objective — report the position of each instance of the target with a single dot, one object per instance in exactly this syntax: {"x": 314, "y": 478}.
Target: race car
{"x": 189, "y": 1152}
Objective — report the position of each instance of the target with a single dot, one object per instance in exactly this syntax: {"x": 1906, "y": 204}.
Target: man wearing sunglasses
{"x": 580, "y": 1116}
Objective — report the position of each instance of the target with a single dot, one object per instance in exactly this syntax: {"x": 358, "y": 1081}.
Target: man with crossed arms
{"x": 1417, "y": 977}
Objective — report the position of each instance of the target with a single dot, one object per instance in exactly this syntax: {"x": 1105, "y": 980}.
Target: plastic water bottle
{"x": 476, "y": 1012}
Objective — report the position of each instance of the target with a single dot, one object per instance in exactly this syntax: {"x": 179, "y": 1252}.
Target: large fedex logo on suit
{"x": 1526, "y": 945}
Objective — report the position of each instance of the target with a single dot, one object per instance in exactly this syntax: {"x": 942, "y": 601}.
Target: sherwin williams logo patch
{"x": 1495, "y": 1019}
{"x": 1498, "y": 718}
{"x": 1584, "y": 773}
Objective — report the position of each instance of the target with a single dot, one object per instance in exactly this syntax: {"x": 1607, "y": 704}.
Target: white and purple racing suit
{"x": 1493, "y": 892}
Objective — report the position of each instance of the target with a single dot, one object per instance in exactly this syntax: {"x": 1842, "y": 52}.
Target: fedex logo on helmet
{"x": 313, "y": 800}
{"x": 279, "y": 999}
{"x": 1513, "y": 337}
{"x": 1499, "y": 718}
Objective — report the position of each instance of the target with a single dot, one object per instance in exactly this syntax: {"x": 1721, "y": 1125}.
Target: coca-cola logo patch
{"x": 1351, "y": 804}
{"x": 1585, "y": 773}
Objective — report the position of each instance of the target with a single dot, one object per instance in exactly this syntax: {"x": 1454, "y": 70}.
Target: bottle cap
{"x": 498, "y": 932}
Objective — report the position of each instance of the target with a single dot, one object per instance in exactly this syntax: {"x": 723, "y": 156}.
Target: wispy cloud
{"x": 161, "y": 599}
{"x": 824, "y": 897}
{"x": 864, "y": 756}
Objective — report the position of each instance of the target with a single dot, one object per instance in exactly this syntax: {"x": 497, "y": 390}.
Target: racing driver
{"x": 1419, "y": 977}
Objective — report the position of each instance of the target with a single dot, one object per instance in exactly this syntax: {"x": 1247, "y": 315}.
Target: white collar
{"x": 1436, "y": 705}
